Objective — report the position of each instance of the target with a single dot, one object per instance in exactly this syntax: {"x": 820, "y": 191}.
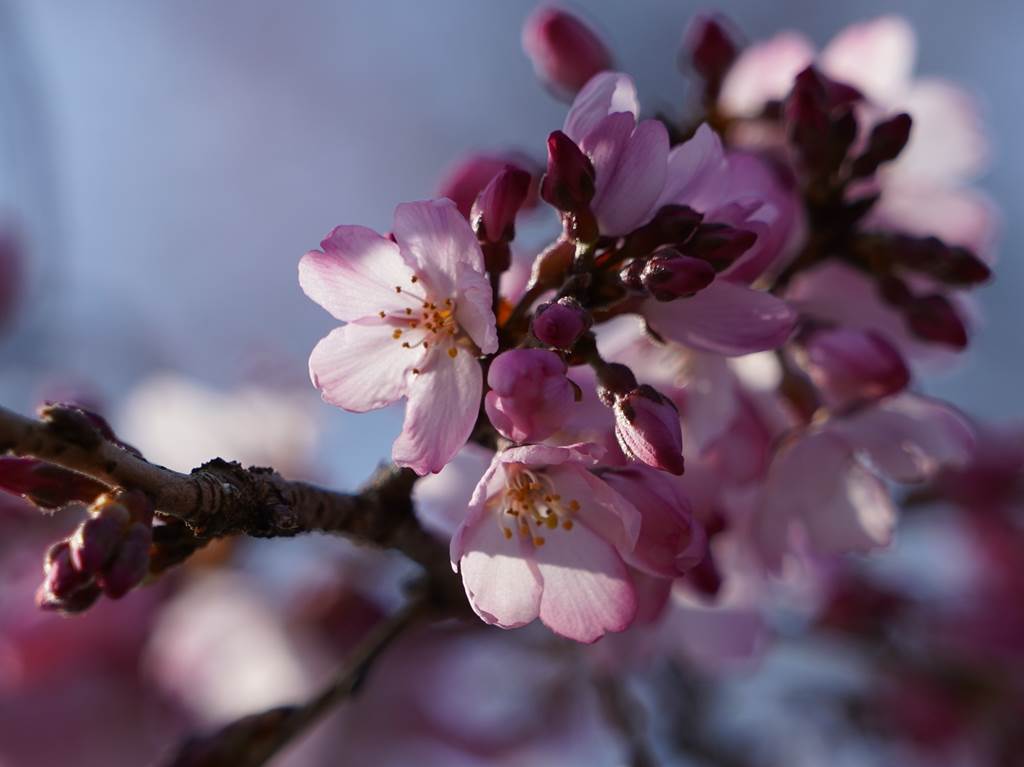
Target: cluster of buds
{"x": 108, "y": 553}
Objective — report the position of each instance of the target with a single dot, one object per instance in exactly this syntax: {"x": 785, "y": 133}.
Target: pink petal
{"x": 725, "y": 318}
{"x": 817, "y": 483}
{"x": 602, "y": 509}
{"x": 962, "y": 216}
{"x": 356, "y": 275}
{"x": 626, "y": 200}
{"x": 552, "y": 455}
{"x": 473, "y": 311}
{"x": 948, "y": 144}
{"x": 605, "y": 144}
{"x": 442, "y": 500}
{"x": 503, "y": 585}
{"x": 876, "y": 57}
{"x": 587, "y": 591}
{"x": 361, "y": 367}
{"x": 444, "y": 399}
{"x": 692, "y": 167}
{"x": 436, "y": 239}
{"x": 605, "y": 94}
{"x": 763, "y": 72}
{"x": 909, "y": 438}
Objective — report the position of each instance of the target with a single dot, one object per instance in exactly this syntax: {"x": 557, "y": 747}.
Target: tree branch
{"x": 222, "y": 498}
{"x": 253, "y": 740}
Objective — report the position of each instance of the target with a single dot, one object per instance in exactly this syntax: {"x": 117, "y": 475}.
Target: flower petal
{"x": 725, "y": 318}
{"x": 587, "y": 591}
{"x": 361, "y": 367}
{"x": 503, "y": 585}
{"x": 692, "y": 166}
{"x": 356, "y": 275}
{"x": 764, "y": 72}
{"x": 876, "y": 56}
{"x": 605, "y": 94}
{"x": 909, "y": 438}
{"x": 435, "y": 238}
{"x": 626, "y": 199}
{"x": 444, "y": 399}
{"x": 473, "y": 310}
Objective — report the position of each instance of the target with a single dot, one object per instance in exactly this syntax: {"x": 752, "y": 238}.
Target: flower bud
{"x": 568, "y": 184}
{"x": 851, "y": 366}
{"x": 95, "y": 542}
{"x": 648, "y": 430}
{"x": 614, "y": 380}
{"x": 710, "y": 49}
{"x": 530, "y": 397}
{"x": 493, "y": 216}
{"x": 668, "y": 275}
{"x": 47, "y": 486}
{"x": 887, "y": 140}
{"x": 130, "y": 563}
{"x": 719, "y": 244}
{"x": 565, "y": 52}
{"x": 933, "y": 318}
{"x": 561, "y": 323}
{"x": 465, "y": 180}
{"x": 62, "y": 578}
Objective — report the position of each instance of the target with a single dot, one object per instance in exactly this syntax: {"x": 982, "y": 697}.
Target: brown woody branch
{"x": 222, "y": 498}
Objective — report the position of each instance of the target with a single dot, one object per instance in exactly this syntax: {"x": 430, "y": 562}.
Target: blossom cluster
{"x": 707, "y": 379}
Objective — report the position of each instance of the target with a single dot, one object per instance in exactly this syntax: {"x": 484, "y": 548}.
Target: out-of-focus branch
{"x": 223, "y": 498}
{"x": 626, "y": 716}
{"x": 253, "y": 740}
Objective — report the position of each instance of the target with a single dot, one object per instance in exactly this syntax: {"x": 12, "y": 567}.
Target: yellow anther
{"x": 396, "y": 334}
{"x": 452, "y": 352}
{"x": 507, "y": 533}
{"x": 567, "y": 524}
{"x": 415, "y": 278}
{"x": 538, "y": 541}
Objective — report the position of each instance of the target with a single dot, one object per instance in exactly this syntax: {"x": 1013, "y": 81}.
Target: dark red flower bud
{"x": 561, "y": 323}
{"x": 887, "y": 140}
{"x": 465, "y": 180}
{"x": 47, "y": 486}
{"x": 820, "y": 120}
{"x": 565, "y": 52}
{"x": 648, "y": 429}
{"x": 671, "y": 225}
{"x": 568, "y": 184}
{"x": 719, "y": 244}
{"x": 631, "y": 273}
{"x": 933, "y": 318}
{"x": 130, "y": 562}
{"x": 96, "y": 540}
{"x": 710, "y": 48}
{"x": 614, "y": 380}
{"x": 494, "y": 213}
{"x": 852, "y": 366}
{"x": 62, "y": 577}
{"x": 669, "y": 274}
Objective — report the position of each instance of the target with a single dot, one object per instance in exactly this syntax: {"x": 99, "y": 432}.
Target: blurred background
{"x": 166, "y": 164}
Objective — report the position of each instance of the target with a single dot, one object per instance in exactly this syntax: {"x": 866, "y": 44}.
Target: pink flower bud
{"x": 648, "y": 430}
{"x": 565, "y": 52}
{"x": 95, "y": 541}
{"x": 130, "y": 563}
{"x": 710, "y": 48}
{"x": 561, "y": 323}
{"x": 933, "y": 318}
{"x": 851, "y": 366}
{"x": 494, "y": 213}
{"x": 62, "y": 578}
{"x": 530, "y": 397}
{"x": 47, "y": 486}
{"x": 568, "y": 184}
{"x": 465, "y": 180}
{"x": 669, "y": 275}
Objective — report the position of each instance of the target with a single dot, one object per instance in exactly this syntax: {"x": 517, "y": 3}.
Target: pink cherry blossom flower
{"x": 924, "y": 190}
{"x": 629, "y": 158}
{"x": 418, "y": 314}
{"x": 824, "y": 485}
{"x": 543, "y": 537}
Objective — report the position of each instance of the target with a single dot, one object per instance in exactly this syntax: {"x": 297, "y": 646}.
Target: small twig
{"x": 222, "y": 498}
{"x": 254, "y": 740}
